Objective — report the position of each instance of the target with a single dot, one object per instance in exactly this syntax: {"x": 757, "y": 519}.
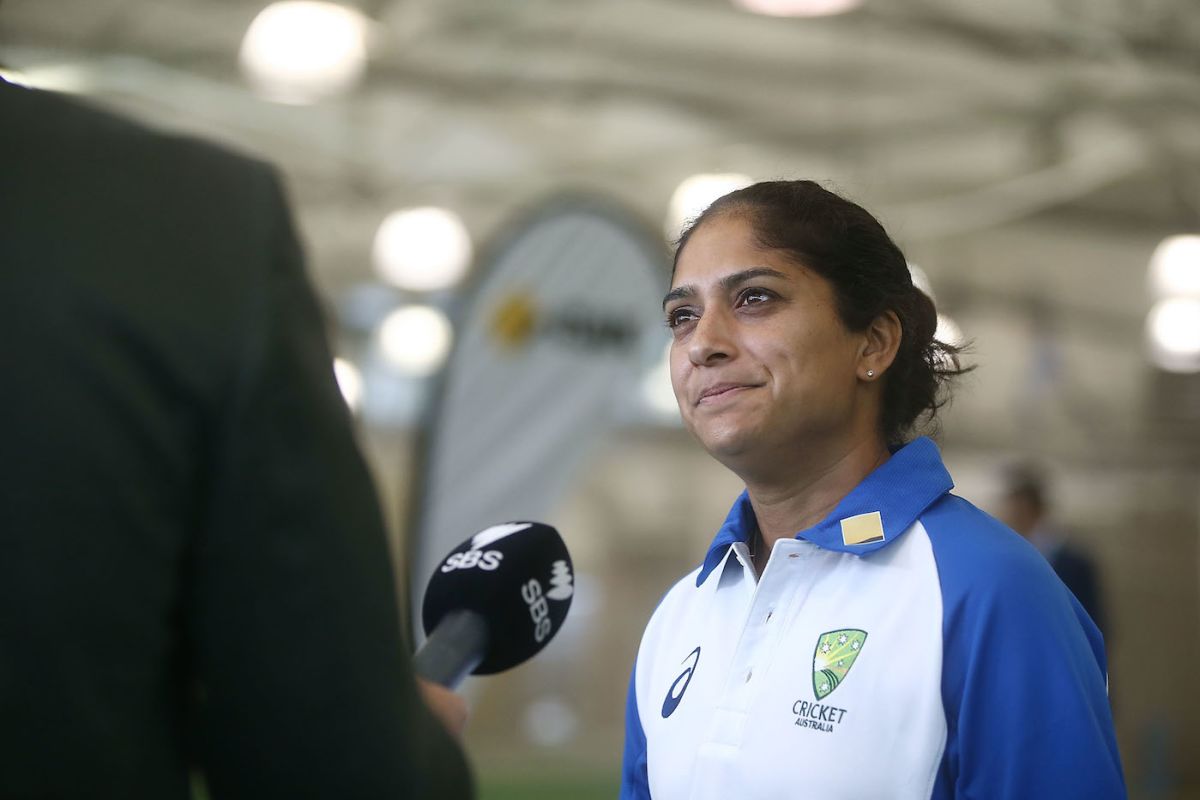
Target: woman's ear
{"x": 880, "y": 344}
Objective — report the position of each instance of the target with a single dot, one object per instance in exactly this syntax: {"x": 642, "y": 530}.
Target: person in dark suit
{"x": 1025, "y": 509}
{"x": 193, "y": 566}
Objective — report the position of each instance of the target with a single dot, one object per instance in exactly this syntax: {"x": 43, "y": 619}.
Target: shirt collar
{"x": 874, "y": 514}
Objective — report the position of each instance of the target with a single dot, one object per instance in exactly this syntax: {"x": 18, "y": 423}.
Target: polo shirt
{"x": 907, "y": 646}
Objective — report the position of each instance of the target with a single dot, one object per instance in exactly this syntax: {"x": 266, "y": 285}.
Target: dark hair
{"x": 840, "y": 241}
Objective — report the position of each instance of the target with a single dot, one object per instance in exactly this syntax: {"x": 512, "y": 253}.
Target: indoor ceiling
{"x": 947, "y": 115}
{"x": 957, "y": 121}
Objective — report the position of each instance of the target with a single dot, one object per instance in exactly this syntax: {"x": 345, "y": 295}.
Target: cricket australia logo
{"x": 835, "y": 654}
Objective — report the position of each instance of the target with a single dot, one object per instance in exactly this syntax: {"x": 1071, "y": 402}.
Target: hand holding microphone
{"x": 449, "y": 708}
{"x": 494, "y": 602}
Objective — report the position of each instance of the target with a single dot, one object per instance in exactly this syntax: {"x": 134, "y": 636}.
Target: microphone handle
{"x": 456, "y": 647}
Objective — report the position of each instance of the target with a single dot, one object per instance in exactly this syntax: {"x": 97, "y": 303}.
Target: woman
{"x": 854, "y": 630}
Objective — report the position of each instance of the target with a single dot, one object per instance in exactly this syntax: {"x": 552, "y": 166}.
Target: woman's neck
{"x": 804, "y": 497}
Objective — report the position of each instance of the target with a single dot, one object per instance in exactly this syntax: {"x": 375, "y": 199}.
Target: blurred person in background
{"x": 193, "y": 565}
{"x": 854, "y": 630}
{"x": 1025, "y": 508}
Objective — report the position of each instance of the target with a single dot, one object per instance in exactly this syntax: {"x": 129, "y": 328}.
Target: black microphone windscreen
{"x": 518, "y": 576}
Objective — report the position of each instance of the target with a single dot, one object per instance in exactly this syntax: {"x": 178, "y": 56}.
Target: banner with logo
{"x": 550, "y": 343}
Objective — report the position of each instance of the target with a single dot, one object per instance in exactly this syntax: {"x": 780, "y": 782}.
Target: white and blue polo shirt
{"x": 908, "y": 646}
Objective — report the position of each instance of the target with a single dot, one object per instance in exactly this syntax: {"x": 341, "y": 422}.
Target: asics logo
{"x": 675, "y": 693}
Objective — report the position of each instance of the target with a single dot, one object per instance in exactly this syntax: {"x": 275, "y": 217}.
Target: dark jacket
{"x": 1076, "y": 569}
{"x": 193, "y": 567}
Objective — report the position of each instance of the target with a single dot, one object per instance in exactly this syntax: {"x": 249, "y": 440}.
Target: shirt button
{"x": 749, "y": 673}
{"x": 793, "y": 555}
{"x": 769, "y": 615}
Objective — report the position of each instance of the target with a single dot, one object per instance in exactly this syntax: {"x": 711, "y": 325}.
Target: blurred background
{"x": 1038, "y": 162}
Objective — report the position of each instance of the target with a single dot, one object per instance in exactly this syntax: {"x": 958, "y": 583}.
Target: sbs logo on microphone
{"x": 483, "y": 559}
{"x": 561, "y": 588}
{"x": 476, "y": 556}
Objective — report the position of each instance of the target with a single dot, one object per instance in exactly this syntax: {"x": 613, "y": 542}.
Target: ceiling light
{"x": 948, "y": 332}
{"x": 1173, "y": 334}
{"x": 422, "y": 249}
{"x": 695, "y": 194}
{"x": 798, "y": 8}
{"x": 416, "y": 339}
{"x": 1175, "y": 267}
{"x": 921, "y": 280}
{"x": 299, "y": 51}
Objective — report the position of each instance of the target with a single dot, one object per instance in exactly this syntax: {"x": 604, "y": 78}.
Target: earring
{"x": 870, "y": 373}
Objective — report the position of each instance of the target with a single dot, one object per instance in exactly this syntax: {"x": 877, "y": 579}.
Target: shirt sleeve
{"x": 635, "y": 781}
{"x": 1024, "y": 681}
{"x": 304, "y": 682}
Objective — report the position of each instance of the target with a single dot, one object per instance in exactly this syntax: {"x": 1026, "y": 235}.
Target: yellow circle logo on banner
{"x": 514, "y": 321}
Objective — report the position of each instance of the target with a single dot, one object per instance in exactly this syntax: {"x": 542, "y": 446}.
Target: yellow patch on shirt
{"x": 862, "y": 529}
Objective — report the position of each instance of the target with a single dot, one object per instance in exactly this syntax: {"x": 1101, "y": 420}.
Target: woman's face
{"x": 760, "y": 361}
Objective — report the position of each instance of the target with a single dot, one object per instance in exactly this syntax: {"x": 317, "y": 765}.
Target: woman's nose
{"x": 712, "y": 339}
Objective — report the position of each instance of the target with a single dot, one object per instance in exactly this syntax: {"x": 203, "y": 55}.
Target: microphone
{"x": 494, "y": 602}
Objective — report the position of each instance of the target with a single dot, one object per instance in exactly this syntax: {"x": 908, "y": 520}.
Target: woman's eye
{"x": 755, "y": 296}
{"x": 678, "y": 316}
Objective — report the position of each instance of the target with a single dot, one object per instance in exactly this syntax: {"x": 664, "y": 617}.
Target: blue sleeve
{"x": 1024, "y": 682}
{"x": 635, "y": 781}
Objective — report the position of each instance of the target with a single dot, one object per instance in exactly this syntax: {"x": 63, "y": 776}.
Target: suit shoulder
{"x": 46, "y": 125}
